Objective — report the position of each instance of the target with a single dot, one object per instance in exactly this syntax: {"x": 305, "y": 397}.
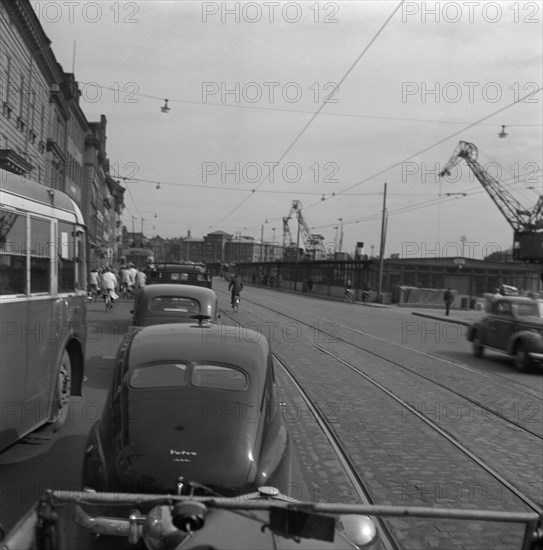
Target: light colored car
{"x": 172, "y": 303}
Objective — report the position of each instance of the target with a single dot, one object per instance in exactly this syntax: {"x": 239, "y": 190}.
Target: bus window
{"x": 12, "y": 253}
{"x": 81, "y": 280}
{"x": 40, "y": 266}
{"x": 66, "y": 257}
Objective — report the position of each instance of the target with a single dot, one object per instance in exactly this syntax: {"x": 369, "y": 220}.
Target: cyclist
{"x": 348, "y": 291}
{"x": 132, "y": 277}
{"x": 141, "y": 279}
{"x": 236, "y": 287}
{"x": 94, "y": 279}
{"x": 109, "y": 283}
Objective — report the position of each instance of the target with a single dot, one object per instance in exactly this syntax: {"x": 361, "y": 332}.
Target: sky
{"x": 326, "y": 103}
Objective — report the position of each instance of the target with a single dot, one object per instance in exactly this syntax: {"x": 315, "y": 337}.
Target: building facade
{"x": 28, "y": 70}
{"x": 44, "y": 134}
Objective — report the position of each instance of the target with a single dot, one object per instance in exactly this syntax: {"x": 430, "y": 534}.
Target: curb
{"x": 444, "y": 319}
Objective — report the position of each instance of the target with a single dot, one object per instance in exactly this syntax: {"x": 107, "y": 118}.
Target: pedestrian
{"x": 448, "y": 299}
{"x": 310, "y": 284}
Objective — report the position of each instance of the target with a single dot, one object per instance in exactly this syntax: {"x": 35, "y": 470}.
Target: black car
{"x": 190, "y": 402}
{"x": 179, "y": 274}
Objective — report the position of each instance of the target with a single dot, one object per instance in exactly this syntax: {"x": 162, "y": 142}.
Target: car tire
{"x": 523, "y": 363}
{"x": 63, "y": 390}
{"x": 478, "y": 348}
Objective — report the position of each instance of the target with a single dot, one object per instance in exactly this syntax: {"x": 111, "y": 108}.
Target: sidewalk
{"x": 459, "y": 316}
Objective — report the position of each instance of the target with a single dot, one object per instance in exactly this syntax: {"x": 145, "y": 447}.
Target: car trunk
{"x": 208, "y": 441}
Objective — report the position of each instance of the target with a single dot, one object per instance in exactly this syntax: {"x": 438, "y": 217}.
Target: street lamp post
{"x": 340, "y": 235}
{"x": 463, "y": 240}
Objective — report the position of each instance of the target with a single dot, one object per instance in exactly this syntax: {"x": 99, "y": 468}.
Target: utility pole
{"x": 382, "y": 246}
{"x": 297, "y": 255}
{"x": 340, "y": 235}
{"x": 261, "y": 242}
{"x": 141, "y": 244}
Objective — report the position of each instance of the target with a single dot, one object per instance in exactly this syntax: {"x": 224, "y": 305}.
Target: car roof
{"x": 214, "y": 343}
{"x": 166, "y": 289}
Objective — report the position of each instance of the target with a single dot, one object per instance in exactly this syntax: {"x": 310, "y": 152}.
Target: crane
{"x": 313, "y": 242}
{"x": 527, "y": 224}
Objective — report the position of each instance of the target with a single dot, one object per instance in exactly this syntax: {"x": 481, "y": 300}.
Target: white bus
{"x": 43, "y": 308}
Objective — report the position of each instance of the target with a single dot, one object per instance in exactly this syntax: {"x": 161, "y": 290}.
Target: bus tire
{"x": 63, "y": 390}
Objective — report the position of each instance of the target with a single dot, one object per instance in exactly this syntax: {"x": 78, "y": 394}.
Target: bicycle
{"x": 349, "y": 296}
{"x": 128, "y": 290}
{"x": 108, "y": 300}
{"x": 235, "y": 302}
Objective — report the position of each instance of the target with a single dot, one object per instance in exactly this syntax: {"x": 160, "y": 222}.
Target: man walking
{"x": 448, "y": 299}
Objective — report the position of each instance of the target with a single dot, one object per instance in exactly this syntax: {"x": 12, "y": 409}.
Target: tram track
{"x": 489, "y": 411}
{"x": 343, "y": 456}
{"x": 388, "y": 528}
{"x": 350, "y": 470}
{"x": 520, "y": 496}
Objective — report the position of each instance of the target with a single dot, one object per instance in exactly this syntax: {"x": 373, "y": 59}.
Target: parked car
{"x": 190, "y": 402}
{"x": 512, "y": 325}
{"x": 180, "y": 274}
{"x": 160, "y": 304}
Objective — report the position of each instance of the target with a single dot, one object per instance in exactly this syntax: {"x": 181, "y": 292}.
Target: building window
{"x": 7, "y": 81}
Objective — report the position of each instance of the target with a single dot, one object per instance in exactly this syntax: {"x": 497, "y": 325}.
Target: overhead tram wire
{"x": 422, "y": 151}
{"x": 295, "y": 111}
{"x": 270, "y": 191}
{"x": 313, "y": 117}
{"x": 410, "y": 208}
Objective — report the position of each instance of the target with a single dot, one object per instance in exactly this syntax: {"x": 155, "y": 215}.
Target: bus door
{"x": 14, "y": 319}
{"x": 42, "y": 332}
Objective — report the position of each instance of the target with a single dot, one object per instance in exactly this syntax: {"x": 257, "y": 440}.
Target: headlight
{"x": 360, "y": 530}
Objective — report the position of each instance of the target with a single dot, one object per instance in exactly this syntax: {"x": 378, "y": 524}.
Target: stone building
{"x": 44, "y": 134}
{"x": 29, "y": 73}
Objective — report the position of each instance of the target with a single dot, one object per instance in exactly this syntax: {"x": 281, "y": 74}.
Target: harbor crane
{"x": 313, "y": 243}
{"x": 527, "y": 223}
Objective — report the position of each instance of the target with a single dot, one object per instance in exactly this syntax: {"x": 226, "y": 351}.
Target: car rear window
{"x": 179, "y": 276}
{"x": 218, "y": 377}
{"x": 163, "y": 375}
{"x": 177, "y": 304}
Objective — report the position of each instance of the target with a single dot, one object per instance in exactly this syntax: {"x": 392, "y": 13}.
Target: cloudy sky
{"x": 321, "y": 102}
